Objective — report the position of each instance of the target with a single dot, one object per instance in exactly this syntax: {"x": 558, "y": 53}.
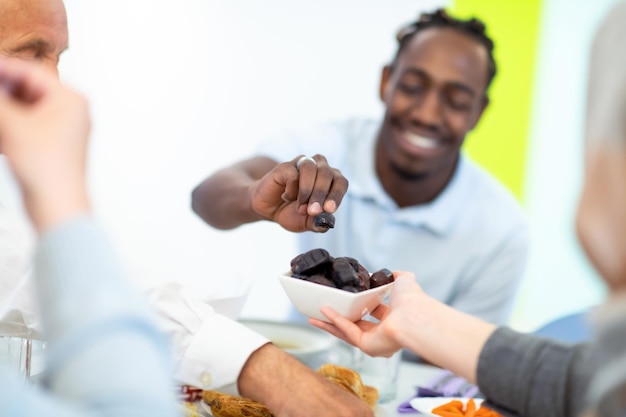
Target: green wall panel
{"x": 499, "y": 142}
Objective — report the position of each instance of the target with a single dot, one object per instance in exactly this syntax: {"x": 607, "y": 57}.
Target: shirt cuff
{"x": 216, "y": 353}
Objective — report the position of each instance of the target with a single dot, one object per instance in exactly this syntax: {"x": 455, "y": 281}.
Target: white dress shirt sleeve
{"x": 209, "y": 349}
{"x": 19, "y": 314}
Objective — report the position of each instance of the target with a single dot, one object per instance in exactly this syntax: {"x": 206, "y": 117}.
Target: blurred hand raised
{"x": 44, "y": 127}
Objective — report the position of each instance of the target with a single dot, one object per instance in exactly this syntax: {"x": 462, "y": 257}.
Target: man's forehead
{"x": 447, "y": 51}
{"x": 18, "y": 10}
{"x": 12, "y": 8}
{"x": 445, "y": 40}
{"x": 33, "y": 21}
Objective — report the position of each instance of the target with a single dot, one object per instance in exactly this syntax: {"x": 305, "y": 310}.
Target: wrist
{"x": 255, "y": 380}
{"x": 446, "y": 337}
{"x": 251, "y": 213}
{"x": 269, "y": 374}
{"x": 420, "y": 327}
{"x": 46, "y": 210}
{"x": 255, "y": 207}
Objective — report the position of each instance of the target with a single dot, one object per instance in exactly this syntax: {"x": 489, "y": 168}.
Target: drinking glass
{"x": 379, "y": 372}
{"x": 22, "y": 354}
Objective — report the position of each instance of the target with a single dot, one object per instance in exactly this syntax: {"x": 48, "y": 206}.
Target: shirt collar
{"x": 438, "y": 216}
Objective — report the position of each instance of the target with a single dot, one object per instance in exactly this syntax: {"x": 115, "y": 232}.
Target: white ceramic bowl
{"x": 309, "y": 297}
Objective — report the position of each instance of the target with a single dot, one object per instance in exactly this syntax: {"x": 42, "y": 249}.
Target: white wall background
{"x": 181, "y": 88}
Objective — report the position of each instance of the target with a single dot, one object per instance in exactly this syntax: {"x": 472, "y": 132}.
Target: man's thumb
{"x": 8, "y": 107}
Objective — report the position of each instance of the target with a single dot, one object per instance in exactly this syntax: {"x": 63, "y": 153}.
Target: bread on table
{"x": 225, "y": 405}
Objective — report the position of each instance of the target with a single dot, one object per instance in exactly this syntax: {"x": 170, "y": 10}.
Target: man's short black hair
{"x": 473, "y": 27}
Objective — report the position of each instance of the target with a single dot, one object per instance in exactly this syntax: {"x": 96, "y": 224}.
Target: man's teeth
{"x": 422, "y": 142}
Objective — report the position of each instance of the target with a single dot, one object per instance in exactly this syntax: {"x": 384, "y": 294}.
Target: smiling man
{"x": 415, "y": 202}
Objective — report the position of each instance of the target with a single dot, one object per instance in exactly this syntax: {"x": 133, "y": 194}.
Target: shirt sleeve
{"x": 209, "y": 349}
{"x": 609, "y": 381}
{"x": 105, "y": 355}
{"x": 523, "y": 374}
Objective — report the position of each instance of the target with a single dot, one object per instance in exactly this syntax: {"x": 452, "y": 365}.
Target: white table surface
{"x": 410, "y": 375}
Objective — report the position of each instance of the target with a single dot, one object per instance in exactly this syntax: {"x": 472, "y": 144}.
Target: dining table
{"x": 410, "y": 376}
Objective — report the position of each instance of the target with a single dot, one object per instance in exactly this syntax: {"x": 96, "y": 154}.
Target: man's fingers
{"x": 24, "y": 81}
{"x": 337, "y": 191}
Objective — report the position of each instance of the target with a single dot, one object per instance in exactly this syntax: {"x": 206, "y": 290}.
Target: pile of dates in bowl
{"x": 345, "y": 273}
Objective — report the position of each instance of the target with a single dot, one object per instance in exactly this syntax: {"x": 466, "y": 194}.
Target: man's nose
{"x": 54, "y": 68}
{"x": 429, "y": 110}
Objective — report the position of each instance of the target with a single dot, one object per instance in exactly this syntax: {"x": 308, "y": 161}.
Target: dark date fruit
{"x": 325, "y": 220}
{"x": 382, "y": 277}
{"x": 345, "y": 273}
{"x": 311, "y": 262}
{"x": 319, "y": 279}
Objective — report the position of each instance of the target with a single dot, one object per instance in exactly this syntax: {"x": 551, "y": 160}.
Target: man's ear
{"x": 476, "y": 117}
{"x": 384, "y": 79}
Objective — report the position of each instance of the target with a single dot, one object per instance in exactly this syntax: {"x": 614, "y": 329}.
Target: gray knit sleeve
{"x": 522, "y": 374}
{"x": 607, "y": 387}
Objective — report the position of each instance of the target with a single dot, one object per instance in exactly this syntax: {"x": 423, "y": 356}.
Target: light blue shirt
{"x": 106, "y": 356}
{"x": 468, "y": 247}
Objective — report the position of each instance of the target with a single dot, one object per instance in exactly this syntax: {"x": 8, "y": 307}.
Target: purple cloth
{"x": 446, "y": 384}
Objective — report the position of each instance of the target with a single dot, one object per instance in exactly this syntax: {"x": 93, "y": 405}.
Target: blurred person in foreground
{"x": 30, "y": 31}
{"x": 106, "y": 356}
{"x": 415, "y": 202}
{"x": 211, "y": 351}
{"x": 522, "y": 374}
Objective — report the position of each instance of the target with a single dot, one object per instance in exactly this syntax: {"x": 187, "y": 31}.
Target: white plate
{"x": 202, "y": 409}
{"x": 310, "y": 345}
{"x": 426, "y": 404}
{"x": 293, "y": 338}
{"x": 205, "y": 409}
